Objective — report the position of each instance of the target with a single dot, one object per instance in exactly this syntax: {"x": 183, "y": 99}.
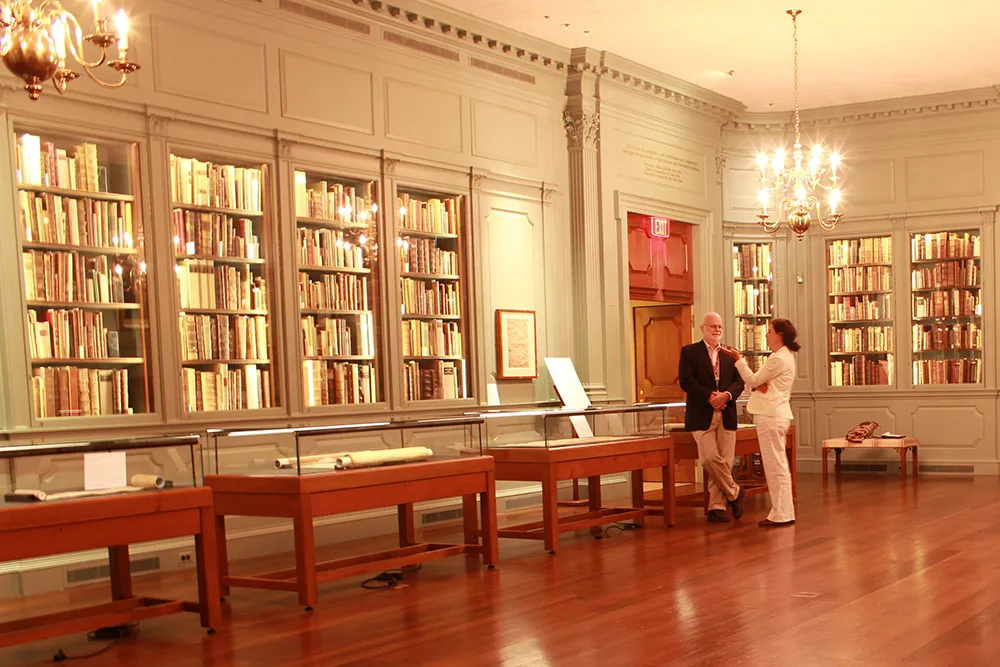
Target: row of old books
{"x": 948, "y": 371}
{"x": 223, "y": 337}
{"x": 945, "y": 245}
{"x": 214, "y": 234}
{"x": 42, "y": 163}
{"x": 71, "y": 334}
{"x": 226, "y": 387}
{"x": 203, "y": 284}
{"x": 52, "y": 218}
{"x": 946, "y": 274}
{"x": 423, "y": 338}
{"x": 430, "y": 297}
{"x": 338, "y": 383}
{"x": 329, "y": 248}
{"x": 438, "y": 216}
{"x": 947, "y": 303}
{"x": 861, "y": 370}
{"x": 845, "y": 252}
{"x": 434, "y": 380}
{"x": 863, "y": 339}
{"x": 53, "y": 276}
{"x": 334, "y": 202}
{"x": 860, "y": 279}
{"x": 336, "y": 292}
{"x": 860, "y": 307}
{"x": 947, "y": 337}
{"x": 338, "y": 336}
{"x": 198, "y": 183}
{"x": 68, "y": 391}
{"x": 417, "y": 255}
{"x": 751, "y": 261}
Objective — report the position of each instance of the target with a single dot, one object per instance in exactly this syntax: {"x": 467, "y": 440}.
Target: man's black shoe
{"x": 718, "y": 516}
{"x": 737, "y": 504}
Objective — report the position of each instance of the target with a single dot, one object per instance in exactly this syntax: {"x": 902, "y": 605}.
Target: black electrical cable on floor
{"x": 112, "y": 635}
{"x": 621, "y": 526}
{"x": 389, "y": 578}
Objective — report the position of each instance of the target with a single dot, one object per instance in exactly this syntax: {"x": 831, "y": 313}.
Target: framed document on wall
{"x": 515, "y": 341}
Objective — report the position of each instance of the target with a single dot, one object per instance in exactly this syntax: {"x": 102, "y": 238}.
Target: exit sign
{"x": 660, "y": 227}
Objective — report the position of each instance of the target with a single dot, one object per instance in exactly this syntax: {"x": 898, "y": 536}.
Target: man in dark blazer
{"x": 712, "y": 385}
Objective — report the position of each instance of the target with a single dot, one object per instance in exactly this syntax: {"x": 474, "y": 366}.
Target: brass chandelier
{"x": 34, "y": 43}
{"x": 797, "y": 187}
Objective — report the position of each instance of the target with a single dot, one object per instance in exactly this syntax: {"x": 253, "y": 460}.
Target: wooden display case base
{"x": 685, "y": 448}
{"x": 113, "y": 522}
{"x": 552, "y": 465}
{"x": 303, "y": 498}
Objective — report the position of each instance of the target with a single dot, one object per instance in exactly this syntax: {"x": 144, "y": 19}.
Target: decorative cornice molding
{"x": 978, "y": 99}
{"x": 473, "y": 39}
{"x": 583, "y": 128}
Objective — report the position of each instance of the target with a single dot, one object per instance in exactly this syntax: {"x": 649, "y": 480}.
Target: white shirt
{"x": 713, "y": 356}
{"x": 779, "y": 374}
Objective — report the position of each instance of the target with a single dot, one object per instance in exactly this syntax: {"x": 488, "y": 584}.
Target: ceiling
{"x": 849, "y": 50}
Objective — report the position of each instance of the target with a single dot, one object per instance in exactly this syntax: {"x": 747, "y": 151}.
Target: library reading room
{"x": 521, "y": 334}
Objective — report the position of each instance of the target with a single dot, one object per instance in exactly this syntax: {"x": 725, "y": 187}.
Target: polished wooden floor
{"x": 876, "y": 572}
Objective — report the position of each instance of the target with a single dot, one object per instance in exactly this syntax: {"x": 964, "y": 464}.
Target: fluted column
{"x": 583, "y": 133}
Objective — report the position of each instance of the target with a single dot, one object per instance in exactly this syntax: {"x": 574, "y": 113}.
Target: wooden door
{"x": 660, "y": 333}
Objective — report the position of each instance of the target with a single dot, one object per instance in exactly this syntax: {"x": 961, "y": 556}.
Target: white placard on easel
{"x": 571, "y": 392}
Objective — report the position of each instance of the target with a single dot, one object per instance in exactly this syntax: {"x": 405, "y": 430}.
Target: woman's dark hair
{"x": 787, "y": 331}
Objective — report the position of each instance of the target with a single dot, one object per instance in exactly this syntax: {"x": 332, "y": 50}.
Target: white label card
{"x": 104, "y": 470}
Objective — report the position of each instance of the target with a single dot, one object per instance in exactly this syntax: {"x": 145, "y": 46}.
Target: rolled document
{"x": 143, "y": 481}
{"x": 281, "y": 464}
{"x": 140, "y": 482}
{"x": 371, "y": 458}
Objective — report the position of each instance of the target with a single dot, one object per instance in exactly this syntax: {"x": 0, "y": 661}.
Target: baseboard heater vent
{"x": 960, "y": 469}
{"x": 326, "y": 17}
{"x": 502, "y": 71}
{"x": 863, "y": 467}
{"x": 443, "y": 515}
{"x": 417, "y": 45}
{"x": 521, "y": 502}
{"x": 84, "y": 575}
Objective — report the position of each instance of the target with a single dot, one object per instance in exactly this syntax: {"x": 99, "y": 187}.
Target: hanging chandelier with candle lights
{"x": 35, "y": 41}
{"x": 797, "y": 188}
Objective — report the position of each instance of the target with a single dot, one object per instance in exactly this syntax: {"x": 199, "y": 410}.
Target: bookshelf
{"x": 753, "y": 299}
{"x": 860, "y": 311}
{"x": 429, "y": 250}
{"x": 83, "y": 263}
{"x": 223, "y": 291}
{"x": 947, "y": 307}
{"x": 337, "y": 230}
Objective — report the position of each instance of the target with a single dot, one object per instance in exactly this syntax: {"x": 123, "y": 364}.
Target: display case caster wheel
{"x": 211, "y": 631}
{"x": 222, "y": 599}
{"x": 309, "y": 608}
{"x": 491, "y": 567}
{"x": 552, "y": 553}
{"x": 598, "y": 537}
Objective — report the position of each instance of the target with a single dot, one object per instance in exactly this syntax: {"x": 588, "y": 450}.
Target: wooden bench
{"x": 901, "y": 445}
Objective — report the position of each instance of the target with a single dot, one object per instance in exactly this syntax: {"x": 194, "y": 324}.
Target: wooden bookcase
{"x": 860, "y": 311}
{"x": 430, "y": 249}
{"x": 220, "y": 245}
{"x": 753, "y": 298}
{"x": 947, "y": 307}
{"x": 83, "y": 262}
{"x": 337, "y": 232}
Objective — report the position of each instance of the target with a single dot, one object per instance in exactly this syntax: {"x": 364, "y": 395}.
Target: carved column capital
{"x": 720, "y": 163}
{"x": 285, "y": 147}
{"x": 548, "y": 194}
{"x": 478, "y": 180}
{"x": 158, "y": 123}
{"x": 389, "y": 164}
{"x": 583, "y": 129}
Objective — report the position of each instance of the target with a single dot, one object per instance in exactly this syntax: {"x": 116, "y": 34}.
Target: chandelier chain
{"x": 795, "y": 68}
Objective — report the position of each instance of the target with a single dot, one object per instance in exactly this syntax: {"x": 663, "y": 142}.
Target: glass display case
{"x": 74, "y": 470}
{"x": 324, "y": 449}
{"x": 947, "y": 308}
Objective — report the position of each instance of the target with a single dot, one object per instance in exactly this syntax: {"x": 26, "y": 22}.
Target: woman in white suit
{"x": 772, "y": 414}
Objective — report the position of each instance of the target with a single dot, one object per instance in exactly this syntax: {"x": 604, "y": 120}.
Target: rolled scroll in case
{"x": 371, "y": 458}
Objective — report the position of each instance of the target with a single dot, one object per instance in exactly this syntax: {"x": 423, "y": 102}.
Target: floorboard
{"x": 877, "y": 571}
